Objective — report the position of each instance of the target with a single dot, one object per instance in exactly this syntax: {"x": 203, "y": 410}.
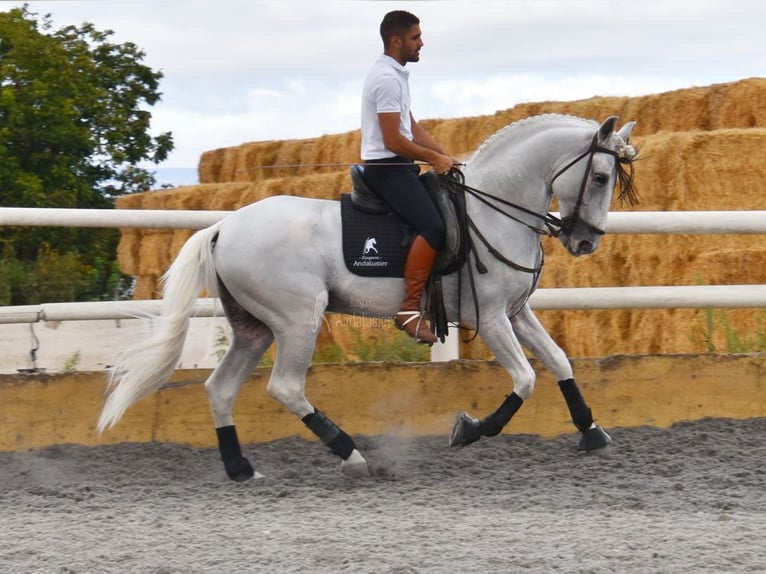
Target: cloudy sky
{"x": 251, "y": 70}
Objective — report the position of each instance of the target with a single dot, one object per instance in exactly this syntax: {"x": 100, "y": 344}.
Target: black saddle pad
{"x": 374, "y": 245}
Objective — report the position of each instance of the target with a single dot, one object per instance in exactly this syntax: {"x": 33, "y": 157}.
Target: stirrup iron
{"x": 413, "y": 315}
{"x": 419, "y": 315}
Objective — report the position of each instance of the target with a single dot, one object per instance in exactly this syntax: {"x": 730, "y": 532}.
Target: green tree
{"x": 74, "y": 128}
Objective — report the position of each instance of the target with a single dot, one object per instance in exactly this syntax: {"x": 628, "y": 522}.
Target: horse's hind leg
{"x": 534, "y": 337}
{"x": 295, "y": 347}
{"x": 250, "y": 340}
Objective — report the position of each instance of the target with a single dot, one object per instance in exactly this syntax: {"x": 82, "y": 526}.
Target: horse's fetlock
{"x": 239, "y": 470}
{"x": 582, "y": 417}
{"x": 237, "y": 467}
{"x": 340, "y": 443}
{"x": 494, "y": 423}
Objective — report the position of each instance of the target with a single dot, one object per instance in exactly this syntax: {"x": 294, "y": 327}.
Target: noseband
{"x": 624, "y": 156}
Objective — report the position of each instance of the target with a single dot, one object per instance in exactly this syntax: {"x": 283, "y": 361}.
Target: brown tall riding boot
{"x": 417, "y": 268}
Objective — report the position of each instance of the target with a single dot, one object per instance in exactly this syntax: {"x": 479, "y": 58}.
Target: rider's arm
{"x": 415, "y": 150}
{"x": 423, "y": 138}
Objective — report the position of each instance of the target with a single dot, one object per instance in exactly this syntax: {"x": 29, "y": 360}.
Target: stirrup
{"x": 412, "y": 316}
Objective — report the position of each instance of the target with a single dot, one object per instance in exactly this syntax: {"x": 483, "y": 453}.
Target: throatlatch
{"x": 330, "y": 434}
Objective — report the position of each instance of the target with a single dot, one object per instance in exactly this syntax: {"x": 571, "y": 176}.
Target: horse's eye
{"x": 600, "y": 178}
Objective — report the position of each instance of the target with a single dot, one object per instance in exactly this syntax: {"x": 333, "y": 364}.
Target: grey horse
{"x": 277, "y": 267}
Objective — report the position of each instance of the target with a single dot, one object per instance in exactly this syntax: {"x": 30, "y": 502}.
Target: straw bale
{"x": 739, "y": 104}
{"x": 256, "y": 161}
{"x": 701, "y": 149}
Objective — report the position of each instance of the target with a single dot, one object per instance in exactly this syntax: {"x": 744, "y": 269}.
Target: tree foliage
{"x": 74, "y": 129}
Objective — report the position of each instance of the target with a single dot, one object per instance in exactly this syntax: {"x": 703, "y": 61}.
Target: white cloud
{"x": 246, "y": 70}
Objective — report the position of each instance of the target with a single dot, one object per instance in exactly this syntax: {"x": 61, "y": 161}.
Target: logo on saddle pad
{"x": 369, "y": 245}
{"x": 370, "y": 256}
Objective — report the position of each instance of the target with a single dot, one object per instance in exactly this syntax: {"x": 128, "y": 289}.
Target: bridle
{"x": 567, "y": 223}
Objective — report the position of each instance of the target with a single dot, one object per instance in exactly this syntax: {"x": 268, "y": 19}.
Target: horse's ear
{"x": 607, "y": 128}
{"x": 625, "y": 130}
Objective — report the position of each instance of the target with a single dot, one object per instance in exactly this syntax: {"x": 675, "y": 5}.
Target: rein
{"x": 454, "y": 182}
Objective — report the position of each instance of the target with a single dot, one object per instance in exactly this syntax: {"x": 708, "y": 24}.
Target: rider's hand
{"x": 442, "y": 163}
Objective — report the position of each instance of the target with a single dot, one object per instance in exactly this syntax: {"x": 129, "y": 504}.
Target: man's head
{"x": 400, "y": 31}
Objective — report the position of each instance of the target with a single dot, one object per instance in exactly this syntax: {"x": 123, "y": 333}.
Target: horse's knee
{"x": 524, "y": 385}
{"x": 291, "y": 395}
{"x": 279, "y": 391}
{"x": 219, "y": 395}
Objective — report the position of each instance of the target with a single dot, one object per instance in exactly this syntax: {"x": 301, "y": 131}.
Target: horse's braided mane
{"x": 524, "y": 122}
{"x": 627, "y": 192}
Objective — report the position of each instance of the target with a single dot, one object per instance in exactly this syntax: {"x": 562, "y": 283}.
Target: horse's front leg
{"x": 499, "y": 336}
{"x": 534, "y": 337}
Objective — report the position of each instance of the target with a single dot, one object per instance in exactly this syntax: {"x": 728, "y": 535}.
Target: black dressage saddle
{"x": 365, "y": 200}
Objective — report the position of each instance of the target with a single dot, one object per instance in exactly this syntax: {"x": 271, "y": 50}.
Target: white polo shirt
{"x": 386, "y": 90}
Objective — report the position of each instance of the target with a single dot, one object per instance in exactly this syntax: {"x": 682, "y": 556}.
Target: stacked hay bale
{"x": 701, "y": 149}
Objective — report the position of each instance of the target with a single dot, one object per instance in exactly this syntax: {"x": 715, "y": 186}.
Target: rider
{"x": 391, "y": 143}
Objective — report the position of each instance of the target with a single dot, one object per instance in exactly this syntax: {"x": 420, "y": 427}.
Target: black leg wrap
{"x": 237, "y": 467}
{"x": 581, "y": 413}
{"x": 495, "y": 422}
{"x": 329, "y": 433}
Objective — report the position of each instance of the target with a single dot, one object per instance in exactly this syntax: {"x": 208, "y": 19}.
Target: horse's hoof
{"x": 593, "y": 438}
{"x": 241, "y": 470}
{"x": 355, "y": 466}
{"x": 465, "y": 431}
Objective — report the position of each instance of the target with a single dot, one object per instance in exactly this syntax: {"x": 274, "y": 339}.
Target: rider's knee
{"x": 434, "y": 234}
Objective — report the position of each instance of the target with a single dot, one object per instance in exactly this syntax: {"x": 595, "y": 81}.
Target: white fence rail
{"x": 642, "y": 222}
{"x": 637, "y": 222}
{"x": 619, "y": 222}
{"x": 122, "y": 218}
{"x": 674, "y": 297}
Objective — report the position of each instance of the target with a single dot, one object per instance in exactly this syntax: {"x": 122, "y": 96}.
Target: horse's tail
{"x": 145, "y": 366}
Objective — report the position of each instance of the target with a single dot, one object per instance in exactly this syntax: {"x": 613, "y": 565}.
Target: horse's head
{"x": 585, "y": 183}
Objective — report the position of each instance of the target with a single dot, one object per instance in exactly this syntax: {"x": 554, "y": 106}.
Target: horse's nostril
{"x": 585, "y": 247}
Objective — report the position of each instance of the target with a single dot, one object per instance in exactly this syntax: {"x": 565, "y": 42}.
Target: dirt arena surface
{"x": 691, "y": 498}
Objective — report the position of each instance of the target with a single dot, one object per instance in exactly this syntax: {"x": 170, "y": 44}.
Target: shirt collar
{"x": 394, "y": 64}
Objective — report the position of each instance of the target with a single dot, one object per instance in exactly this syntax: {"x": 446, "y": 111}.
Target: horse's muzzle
{"x": 578, "y": 246}
{"x": 579, "y": 236}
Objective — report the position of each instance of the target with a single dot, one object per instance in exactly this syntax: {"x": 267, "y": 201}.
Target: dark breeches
{"x": 399, "y": 186}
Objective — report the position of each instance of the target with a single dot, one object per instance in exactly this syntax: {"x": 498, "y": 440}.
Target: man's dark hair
{"x": 397, "y": 23}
